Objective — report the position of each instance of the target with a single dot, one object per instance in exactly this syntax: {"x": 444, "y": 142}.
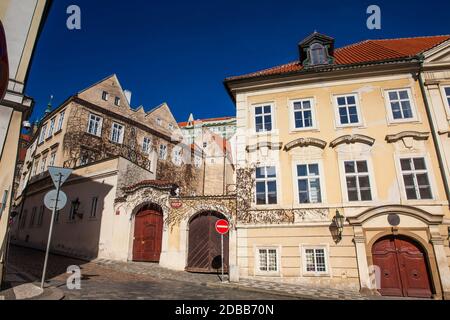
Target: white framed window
{"x": 315, "y": 260}
{"x": 43, "y": 164}
{"x": 159, "y": 121}
{"x": 33, "y": 217}
{"x": 117, "y": 132}
{"x": 347, "y": 110}
{"x": 400, "y": 105}
{"x": 35, "y": 167}
{"x": 416, "y": 180}
{"x": 95, "y": 125}
{"x": 60, "y": 121}
{"x": 171, "y": 127}
{"x": 72, "y": 212}
{"x": 263, "y": 118}
{"x": 51, "y": 128}
{"x": 317, "y": 54}
{"x": 446, "y": 96}
{"x": 94, "y": 205}
{"x": 147, "y": 145}
{"x": 40, "y": 220}
{"x": 43, "y": 132}
{"x": 23, "y": 219}
{"x": 302, "y": 113}
{"x": 197, "y": 161}
{"x": 266, "y": 186}
{"x": 117, "y": 101}
{"x": 52, "y": 160}
{"x": 308, "y": 183}
{"x": 105, "y": 96}
{"x": 357, "y": 179}
{"x": 268, "y": 260}
{"x": 162, "y": 154}
{"x": 177, "y": 156}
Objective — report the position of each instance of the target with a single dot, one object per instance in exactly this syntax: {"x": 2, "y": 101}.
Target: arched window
{"x": 318, "y": 56}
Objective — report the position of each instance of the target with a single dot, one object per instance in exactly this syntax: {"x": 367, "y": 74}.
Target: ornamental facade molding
{"x": 351, "y": 139}
{"x": 265, "y": 144}
{"x": 407, "y": 134}
{"x": 305, "y": 142}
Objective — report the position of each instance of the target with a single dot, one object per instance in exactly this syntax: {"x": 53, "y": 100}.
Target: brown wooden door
{"x": 204, "y": 254}
{"x": 148, "y": 229}
{"x": 403, "y": 267}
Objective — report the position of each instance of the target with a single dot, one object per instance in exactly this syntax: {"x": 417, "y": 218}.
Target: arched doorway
{"x": 204, "y": 253}
{"x": 403, "y": 266}
{"x": 148, "y": 232}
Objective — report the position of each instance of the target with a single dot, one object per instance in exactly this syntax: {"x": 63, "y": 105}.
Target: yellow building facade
{"x": 330, "y": 136}
{"x": 22, "y": 21}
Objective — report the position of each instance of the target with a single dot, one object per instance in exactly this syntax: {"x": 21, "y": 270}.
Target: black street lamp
{"x": 75, "y": 206}
{"x": 339, "y": 221}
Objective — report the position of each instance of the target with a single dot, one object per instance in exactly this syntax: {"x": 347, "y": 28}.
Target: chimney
{"x": 128, "y": 96}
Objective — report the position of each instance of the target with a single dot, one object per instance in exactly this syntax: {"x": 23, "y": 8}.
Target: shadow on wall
{"x": 77, "y": 227}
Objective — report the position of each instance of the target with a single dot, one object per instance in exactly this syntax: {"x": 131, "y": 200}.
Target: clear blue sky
{"x": 180, "y": 51}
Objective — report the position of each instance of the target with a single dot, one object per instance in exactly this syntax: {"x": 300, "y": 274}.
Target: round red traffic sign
{"x": 222, "y": 226}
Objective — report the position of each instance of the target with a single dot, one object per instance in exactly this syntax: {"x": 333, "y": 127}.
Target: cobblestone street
{"x": 104, "y": 281}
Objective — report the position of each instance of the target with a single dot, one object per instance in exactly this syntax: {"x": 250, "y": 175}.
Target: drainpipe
{"x": 433, "y": 131}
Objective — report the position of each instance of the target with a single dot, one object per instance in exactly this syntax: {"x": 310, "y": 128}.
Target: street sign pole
{"x": 222, "y": 258}
{"x": 58, "y": 187}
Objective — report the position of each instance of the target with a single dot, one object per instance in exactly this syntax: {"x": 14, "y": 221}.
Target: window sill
{"x": 266, "y": 207}
{"x": 346, "y": 126}
{"x": 315, "y": 275}
{"x": 313, "y": 129}
{"x": 393, "y": 123}
{"x": 267, "y": 274}
{"x": 93, "y": 135}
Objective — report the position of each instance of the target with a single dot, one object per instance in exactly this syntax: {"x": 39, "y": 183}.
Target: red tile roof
{"x": 185, "y": 124}
{"x": 369, "y": 51}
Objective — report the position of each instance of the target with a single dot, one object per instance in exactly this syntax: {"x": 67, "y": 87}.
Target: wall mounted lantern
{"x": 339, "y": 221}
{"x": 75, "y": 206}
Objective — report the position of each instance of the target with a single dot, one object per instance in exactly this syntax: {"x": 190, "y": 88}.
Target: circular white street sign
{"x": 50, "y": 200}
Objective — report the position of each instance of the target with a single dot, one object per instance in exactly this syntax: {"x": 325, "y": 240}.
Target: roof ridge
{"x": 405, "y": 38}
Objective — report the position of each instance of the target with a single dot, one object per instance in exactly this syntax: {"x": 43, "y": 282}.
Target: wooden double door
{"x": 148, "y": 231}
{"x": 204, "y": 253}
{"x": 403, "y": 266}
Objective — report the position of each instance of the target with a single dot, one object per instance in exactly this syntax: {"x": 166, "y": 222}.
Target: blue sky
{"x": 179, "y": 51}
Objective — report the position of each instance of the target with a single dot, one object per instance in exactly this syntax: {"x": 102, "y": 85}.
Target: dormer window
{"x": 318, "y": 54}
{"x": 316, "y": 50}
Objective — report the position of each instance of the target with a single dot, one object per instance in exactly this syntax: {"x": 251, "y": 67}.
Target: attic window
{"x": 105, "y": 95}
{"x": 317, "y": 53}
{"x": 117, "y": 101}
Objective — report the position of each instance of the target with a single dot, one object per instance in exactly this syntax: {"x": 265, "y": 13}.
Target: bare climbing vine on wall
{"x": 82, "y": 147}
{"x": 246, "y": 214}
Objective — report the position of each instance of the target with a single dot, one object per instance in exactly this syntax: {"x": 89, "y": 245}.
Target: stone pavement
{"x": 109, "y": 280}
{"x": 297, "y": 290}
{"x": 19, "y": 285}
{"x": 212, "y": 280}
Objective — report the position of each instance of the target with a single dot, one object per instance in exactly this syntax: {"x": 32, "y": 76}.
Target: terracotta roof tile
{"x": 369, "y": 51}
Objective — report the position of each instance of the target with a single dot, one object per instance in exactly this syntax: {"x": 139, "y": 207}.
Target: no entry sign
{"x": 222, "y": 226}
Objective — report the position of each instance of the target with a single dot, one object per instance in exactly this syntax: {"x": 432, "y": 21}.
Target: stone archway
{"x": 148, "y": 233}
{"x": 403, "y": 267}
{"x": 204, "y": 244}
{"x": 419, "y": 226}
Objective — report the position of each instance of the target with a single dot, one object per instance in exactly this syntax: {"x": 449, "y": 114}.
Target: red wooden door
{"x": 204, "y": 254}
{"x": 148, "y": 229}
{"x": 403, "y": 267}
